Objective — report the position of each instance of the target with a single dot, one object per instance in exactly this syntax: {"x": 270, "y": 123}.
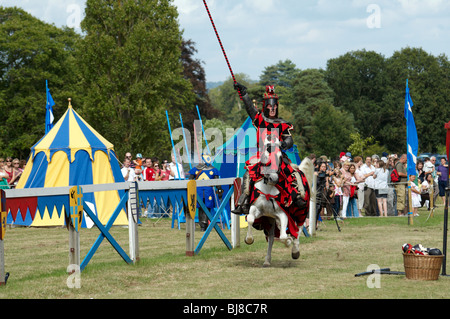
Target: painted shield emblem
{"x": 3, "y": 225}
{"x": 192, "y": 197}
{"x": 76, "y": 206}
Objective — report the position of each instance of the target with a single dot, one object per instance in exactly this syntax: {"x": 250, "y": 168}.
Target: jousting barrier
{"x": 182, "y": 192}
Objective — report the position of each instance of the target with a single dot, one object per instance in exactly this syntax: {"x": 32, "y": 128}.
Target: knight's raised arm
{"x": 246, "y": 99}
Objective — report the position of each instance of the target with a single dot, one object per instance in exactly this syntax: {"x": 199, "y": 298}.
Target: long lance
{"x": 173, "y": 145}
{"x": 221, "y": 46}
{"x": 185, "y": 142}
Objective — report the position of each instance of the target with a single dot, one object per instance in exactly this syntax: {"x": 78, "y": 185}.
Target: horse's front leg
{"x": 282, "y": 222}
{"x": 270, "y": 245}
{"x": 296, "y": 247}
{"x": 253, "y": 212}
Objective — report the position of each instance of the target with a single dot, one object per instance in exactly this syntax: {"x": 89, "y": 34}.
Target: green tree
{"x": 428, "y": 80}
{"x": 31, "y": 52}
{"x": 132, "y": 72}
{"x": 331, "y": 130}
{"x": 226, "y": 99}
{"x": 281, "y": 74}
{"x": 193, "y": 70}
{"x": 372, "y": 89}
{"x": 364, "y": 146}
{"x": 358, "y": 80}
{"x": 316, "y": 121}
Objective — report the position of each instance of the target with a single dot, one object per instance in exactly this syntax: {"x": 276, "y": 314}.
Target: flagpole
{"x": 185, "y": 142}
{"x": 48, "y": 109}
{"x": 446, "y": 203}
{"x": 173, "y": 146}
{"x": 203, "y": 130}
{"x": 410, "y": 214}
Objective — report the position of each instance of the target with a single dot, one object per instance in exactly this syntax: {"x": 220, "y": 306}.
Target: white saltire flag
{"x": 412, "y": 141}
{"x": 49, "y": 110}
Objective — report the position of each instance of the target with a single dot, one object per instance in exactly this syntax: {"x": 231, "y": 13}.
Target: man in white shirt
{"x": 370, "y": 204}
{"x": 174, "y": 171}
{"x": 127, "y": 172}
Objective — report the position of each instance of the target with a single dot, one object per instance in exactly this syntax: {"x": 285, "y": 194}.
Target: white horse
{"x": 265, "y": 205}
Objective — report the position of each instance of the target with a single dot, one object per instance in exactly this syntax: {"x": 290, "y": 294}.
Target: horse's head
{"x": 271, "y": 157}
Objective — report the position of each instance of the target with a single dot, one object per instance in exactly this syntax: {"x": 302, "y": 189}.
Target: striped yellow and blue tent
{"x": 71, "y": 153}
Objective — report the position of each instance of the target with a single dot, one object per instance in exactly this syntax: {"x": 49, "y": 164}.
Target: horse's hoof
{"x": 266, "y": 265}
{"x": 296, "y": 255}
{"x": 249, "y": 241}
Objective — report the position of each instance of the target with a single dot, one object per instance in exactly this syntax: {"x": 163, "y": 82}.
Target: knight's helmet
{"x": 270, "y": 98}
{"x": 207, "y": 158}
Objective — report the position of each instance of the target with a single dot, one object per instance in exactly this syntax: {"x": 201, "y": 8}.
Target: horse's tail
{"x": 307, "y": 167}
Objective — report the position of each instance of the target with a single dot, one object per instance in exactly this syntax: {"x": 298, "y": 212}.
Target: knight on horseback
{"x": 291, "y": 182}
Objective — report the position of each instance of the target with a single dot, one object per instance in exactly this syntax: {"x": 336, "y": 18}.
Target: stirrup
{"x": 240, "y": 210}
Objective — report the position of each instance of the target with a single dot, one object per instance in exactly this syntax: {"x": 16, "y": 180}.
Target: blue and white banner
{"x": 49, "y": 118}
{"x": 412, "y": 141}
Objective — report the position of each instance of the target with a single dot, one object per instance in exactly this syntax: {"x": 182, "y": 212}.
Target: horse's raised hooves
{"x": 296, "y": 255}
{"x": 249, "y": 241}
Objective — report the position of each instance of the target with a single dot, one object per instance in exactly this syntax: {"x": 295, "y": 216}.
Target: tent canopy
{"x": 71, "y": 134}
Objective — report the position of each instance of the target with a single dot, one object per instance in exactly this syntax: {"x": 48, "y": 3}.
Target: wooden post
{"x": 190, "y": 230}
{"x": 73, "y": 222}
{"x": 74, "y": 245}
{"x": 313, "y": 207}
{"x": 235, "y": 226}
{"x": 2, "y": 263}
{"x": 431, "y": 202}
{"x": 236, "y": 219}
{"x": 133, "y": 216}
{"x": 410, "y": 208}
{"x": 190, "y": 208}
{"x": 3, "y": 214}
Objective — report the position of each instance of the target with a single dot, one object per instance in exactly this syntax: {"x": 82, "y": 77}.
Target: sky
{"x": 259, "y": 33}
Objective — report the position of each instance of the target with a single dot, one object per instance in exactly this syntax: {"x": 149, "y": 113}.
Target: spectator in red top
{"x": 149, "y": 172}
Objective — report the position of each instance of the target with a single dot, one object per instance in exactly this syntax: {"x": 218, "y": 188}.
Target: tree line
{"x": 131, "y": 64}
{"x": 356, "y": 103}
{"x": 127, "y": 68}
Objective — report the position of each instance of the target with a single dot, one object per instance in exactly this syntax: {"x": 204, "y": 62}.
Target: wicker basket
{"x": 422, "y": 267}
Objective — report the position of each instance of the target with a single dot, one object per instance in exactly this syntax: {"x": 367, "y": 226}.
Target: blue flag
{"x": 49, "y": 110}
{"x": 412, "y": 142}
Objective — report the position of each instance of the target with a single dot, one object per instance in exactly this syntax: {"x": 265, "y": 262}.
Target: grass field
{"x": 37, "y": 261}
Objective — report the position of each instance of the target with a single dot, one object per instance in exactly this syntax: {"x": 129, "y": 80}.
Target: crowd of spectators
{"x": 151, "y": 169}
{"x": 347, "y": 187}
{"x": 10, "y": 172}
{"x": 351, "y": 187}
